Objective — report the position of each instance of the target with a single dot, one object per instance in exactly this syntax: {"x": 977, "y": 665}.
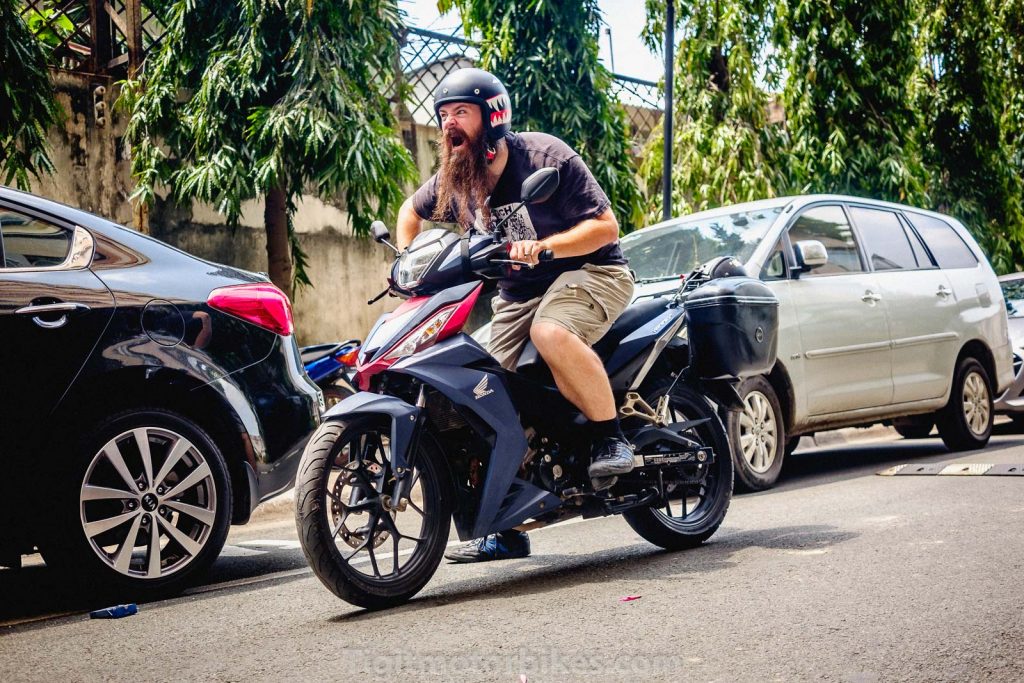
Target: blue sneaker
{"x": 504, "y": 545}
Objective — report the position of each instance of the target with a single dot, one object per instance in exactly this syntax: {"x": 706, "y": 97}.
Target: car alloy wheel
{"x": 976, "y": 403}
{"x": 148, "y": 503}
{"x": 758, "y": 432}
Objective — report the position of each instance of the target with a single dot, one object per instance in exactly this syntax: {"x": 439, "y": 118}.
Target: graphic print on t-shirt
{"x": 518, "y": 228}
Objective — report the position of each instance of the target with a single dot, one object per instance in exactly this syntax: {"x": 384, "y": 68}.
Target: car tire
{"x": 966, "y": 421}
{"x": 757, "y": 435}
{"x": 177, "y": 513}
{"x": 914, "y": 427}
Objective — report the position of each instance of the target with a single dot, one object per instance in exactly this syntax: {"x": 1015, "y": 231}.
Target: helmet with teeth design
{"x": 482, "y": 89}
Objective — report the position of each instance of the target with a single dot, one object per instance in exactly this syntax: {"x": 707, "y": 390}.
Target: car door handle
{"x": 37, "y": 310}
{"x": 870, "y": 297}
{"x": 943, "y": 292}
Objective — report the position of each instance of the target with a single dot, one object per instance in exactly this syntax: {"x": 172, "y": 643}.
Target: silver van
{"x": 887, "y": 313}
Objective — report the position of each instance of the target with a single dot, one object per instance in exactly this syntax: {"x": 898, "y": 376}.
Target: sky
{"x": 624, "y": 17}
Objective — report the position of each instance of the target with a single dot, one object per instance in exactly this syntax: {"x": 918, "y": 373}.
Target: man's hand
{"x": 527, "y": 251}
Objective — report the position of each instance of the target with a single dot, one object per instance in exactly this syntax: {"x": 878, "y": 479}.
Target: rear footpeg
{"x": 622, "y": 503}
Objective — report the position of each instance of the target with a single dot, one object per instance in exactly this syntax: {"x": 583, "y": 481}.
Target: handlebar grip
{"x": 546, "y": 255}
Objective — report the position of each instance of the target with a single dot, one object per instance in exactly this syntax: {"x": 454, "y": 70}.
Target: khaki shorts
{"x": 586, "y": 302}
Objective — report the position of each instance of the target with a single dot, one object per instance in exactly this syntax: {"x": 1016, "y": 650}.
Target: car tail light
{"x": 259, "y": 303}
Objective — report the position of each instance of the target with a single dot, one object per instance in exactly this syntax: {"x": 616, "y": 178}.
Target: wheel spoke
{"x": 179, "y": 449}
{"x": 359, "y": 548}
{"x": 202, "y": 514}
{"x": 90, "y": 492}
{"x": 113, "y": 454}
{"x": 197, "y": 475}
{"x": 123, "y": 560}
{"x": 154, "y": 552}
{"x": 93, "y": 529}
{"x": 190, "y": 546}
{"x": 142, "y": 441}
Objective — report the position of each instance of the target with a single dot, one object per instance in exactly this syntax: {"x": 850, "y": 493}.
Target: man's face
{"x": 460, "y": 123}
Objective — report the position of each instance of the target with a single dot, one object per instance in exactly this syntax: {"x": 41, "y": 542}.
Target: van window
{"x": 828, "y": 225}
{"x": 31, "y": 243}
{"x": 948, "y": 248}
{"x": 885, "y": 243}
{"x": 775, "y": 265}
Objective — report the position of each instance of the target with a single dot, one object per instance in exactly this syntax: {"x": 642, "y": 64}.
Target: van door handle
{"x": 943, "y": 292}
{"x": 870, "y": 297}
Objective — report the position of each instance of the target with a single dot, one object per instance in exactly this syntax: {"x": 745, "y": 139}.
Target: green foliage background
{"x": 27, "y": 107}
{"x": 546, "y": 54}
{"x": 245, "y": 97}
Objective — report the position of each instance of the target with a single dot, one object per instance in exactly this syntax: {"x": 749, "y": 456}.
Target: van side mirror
{"x": 539, "y": 186}
{"x": 379, "y": 231}
{"x": 810, "y": 254}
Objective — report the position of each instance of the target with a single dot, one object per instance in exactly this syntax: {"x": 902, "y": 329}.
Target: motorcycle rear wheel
{"x": 694, "y": 512}
{"x": 352, "y": 531}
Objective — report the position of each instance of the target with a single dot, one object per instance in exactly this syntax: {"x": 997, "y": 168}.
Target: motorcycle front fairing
{"x": 461, "y": 370}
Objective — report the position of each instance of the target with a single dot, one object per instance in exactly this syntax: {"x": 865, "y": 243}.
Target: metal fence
{"x": 428, "y": 56}
{"x": 102, "y": 37}
{"x": 112, "y": 38}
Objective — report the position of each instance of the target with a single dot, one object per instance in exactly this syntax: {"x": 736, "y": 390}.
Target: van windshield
{"x": 669, "y": 250}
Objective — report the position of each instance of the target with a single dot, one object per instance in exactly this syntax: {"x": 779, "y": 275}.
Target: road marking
{"x": 962, "y": 469}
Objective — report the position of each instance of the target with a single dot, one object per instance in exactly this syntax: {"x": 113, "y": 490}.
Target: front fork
{"x": 397, "y": 502}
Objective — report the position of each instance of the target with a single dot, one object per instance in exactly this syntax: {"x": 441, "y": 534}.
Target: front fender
{"x": 404, "y": 420}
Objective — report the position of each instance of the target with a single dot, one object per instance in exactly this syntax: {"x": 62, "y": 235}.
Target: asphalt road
{"x": 838, "y": 574}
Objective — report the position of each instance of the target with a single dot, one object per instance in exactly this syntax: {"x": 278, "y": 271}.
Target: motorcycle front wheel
{"x": 693, "y": 511}
{"x": 368, "y": 548}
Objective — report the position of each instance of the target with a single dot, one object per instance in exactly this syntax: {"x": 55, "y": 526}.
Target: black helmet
{"x": 482, "y": 89}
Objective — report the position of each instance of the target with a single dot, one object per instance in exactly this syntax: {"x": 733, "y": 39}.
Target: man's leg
{"x": 575, "y": 313}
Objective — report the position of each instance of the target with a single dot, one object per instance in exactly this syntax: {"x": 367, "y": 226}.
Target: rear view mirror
{"x": 539, "y": 186}
{"x": 810, "y": 254}
{"x": 379, "y": 231}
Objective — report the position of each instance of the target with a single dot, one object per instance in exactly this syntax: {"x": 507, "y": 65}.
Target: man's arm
{"x": 409, "y": 224}
{"x": 583, "y": 238}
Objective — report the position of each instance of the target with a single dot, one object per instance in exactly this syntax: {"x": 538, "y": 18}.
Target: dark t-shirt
{"x": 577, "y": 199}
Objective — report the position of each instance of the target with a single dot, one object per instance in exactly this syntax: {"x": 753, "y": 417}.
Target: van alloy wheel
{"x": 148, "y": 503}
{"x": 976, "y": 403}
{"x": 758, "y": 432}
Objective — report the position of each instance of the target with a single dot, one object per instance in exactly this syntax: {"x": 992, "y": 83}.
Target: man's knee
{"x": 548, "y": 337}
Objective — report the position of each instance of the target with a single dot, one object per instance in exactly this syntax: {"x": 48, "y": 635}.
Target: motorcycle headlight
{"x": 420, "y": 254}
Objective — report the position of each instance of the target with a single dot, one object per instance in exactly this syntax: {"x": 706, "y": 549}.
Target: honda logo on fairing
{"x": 481, "y": 390}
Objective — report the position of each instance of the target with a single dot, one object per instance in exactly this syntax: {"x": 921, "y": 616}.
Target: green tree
{"x": 967, "y": 100}
{"x": 271, "y": 98}
{"x": 27, "y": 107}
{"x": 852, "y": 78}
{"x": 546, "y": 53}
{"x": 725, "y": 150}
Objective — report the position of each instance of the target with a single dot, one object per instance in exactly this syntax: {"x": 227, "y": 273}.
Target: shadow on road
{"x": 640, "y": 562}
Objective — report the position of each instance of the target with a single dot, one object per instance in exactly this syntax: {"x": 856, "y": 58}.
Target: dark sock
{"x": 607, "y": 429}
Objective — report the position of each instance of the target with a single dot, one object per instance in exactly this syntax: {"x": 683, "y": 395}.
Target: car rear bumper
{"x": 1012, "y": 400}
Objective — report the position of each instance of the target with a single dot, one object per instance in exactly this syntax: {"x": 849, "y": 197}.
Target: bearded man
{"x": 565, "y": 305}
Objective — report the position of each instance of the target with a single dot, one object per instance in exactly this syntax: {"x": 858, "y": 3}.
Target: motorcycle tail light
{"x": 349, "y": 358}
{"x": 259, "y": 303}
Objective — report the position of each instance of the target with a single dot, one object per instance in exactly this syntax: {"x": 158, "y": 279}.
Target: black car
{"x": 148, "y": 398}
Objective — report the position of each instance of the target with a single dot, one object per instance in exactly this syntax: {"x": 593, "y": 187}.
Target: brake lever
{"x": 378, "y": 297}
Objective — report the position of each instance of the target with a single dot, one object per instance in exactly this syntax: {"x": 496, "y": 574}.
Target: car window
{"x": 1013, "y": 292}
{"x": 948, "y": 248}
{"x": 885, "y": 242}
{"x": 31, "y": 243}
{"x": 924, "y": 260}
{"x": 675, "y": 248}
{"x": 775, "y": 265}
{"x": 828, "y": 225}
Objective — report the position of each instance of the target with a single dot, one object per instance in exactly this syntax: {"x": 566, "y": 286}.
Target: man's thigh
{"x": 587, "y": 301}
{"x": 510, "y": 329}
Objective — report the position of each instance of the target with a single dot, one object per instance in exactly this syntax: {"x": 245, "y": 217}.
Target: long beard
{"x": 462, "y": 182}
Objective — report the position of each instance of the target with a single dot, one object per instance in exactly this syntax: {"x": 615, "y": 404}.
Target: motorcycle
{"x": 330, "y": 366}
{"x": 441, "y": 432}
